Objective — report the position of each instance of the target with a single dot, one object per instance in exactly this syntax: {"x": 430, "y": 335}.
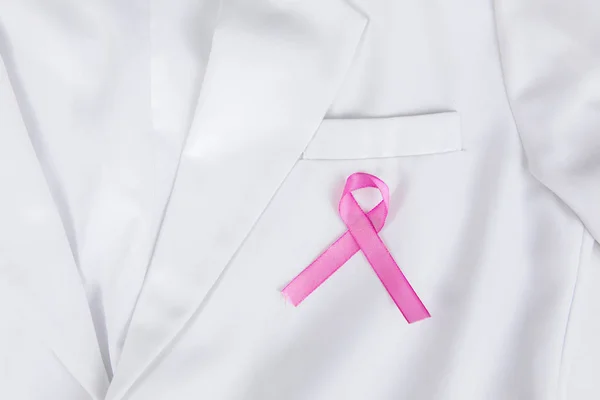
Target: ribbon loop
{"x": 356, "y": 181}
{"x": 362, "y": 235}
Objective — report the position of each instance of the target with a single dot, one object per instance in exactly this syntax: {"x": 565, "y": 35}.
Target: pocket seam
{"x": 585, "y": 250}
{"x": 387, "y": 137}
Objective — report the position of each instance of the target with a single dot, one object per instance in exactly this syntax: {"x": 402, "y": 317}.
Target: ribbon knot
{"x": 362, "y": 234}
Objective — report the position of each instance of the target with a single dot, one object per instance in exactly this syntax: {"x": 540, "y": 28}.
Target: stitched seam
{"x": 561, "y": 368}
{"x": 436, "y": 153}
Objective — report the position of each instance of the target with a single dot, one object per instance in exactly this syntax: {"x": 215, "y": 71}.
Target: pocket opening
{"x": 364, "y": 138}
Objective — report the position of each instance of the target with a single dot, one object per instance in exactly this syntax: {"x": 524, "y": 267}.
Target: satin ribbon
{"x": 362, "y": 234}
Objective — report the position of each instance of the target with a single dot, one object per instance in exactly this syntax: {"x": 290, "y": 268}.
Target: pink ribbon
{"x": 362, "y": 234}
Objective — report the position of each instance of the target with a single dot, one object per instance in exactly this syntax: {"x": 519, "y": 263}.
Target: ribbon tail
{"x": 321, "y": 269}
{"x": 394, "y": 281}
{"x": 384, "y": 265}
{"x": 396, "y": 284}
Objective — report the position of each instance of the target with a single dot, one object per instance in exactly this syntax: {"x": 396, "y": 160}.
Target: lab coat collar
{"x": 273, "y": 71}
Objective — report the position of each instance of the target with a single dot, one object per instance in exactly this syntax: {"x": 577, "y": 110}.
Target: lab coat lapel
{"x": 274, "y": 69}
{"x": 35, "y": 255}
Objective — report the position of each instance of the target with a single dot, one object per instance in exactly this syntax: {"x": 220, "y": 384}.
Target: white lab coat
{"x": 166, "y": 167}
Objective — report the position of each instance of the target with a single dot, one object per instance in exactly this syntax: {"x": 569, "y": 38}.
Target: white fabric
{"x": 166, "y": 167}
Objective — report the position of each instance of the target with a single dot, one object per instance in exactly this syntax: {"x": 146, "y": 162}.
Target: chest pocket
{"x": 364, "y": 138}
